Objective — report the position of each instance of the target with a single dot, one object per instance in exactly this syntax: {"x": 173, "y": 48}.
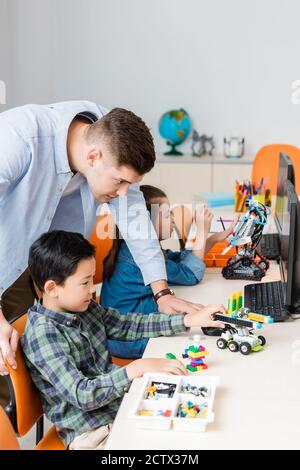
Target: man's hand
{"x": 205, "y": 317}
{"x": 165, "y": 366}
{"x": 171, "y": 304}
{"x": 8, "y": 345}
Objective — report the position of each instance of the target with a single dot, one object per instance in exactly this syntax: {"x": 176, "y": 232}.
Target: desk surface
{"x": 257, "y": 404}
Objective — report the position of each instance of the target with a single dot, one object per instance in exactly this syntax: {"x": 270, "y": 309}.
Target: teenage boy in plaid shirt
{"x": 65, "y": 341}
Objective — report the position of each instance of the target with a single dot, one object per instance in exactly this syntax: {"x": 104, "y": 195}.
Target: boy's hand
{"x": 219, "y": 237}
{"x": 166, "y": 366}
{"x": 205, "y": 317}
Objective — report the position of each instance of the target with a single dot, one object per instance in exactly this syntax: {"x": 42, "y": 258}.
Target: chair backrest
{"x": 121, "y": 361}
{"x": 102, "y": 238}
{"x": 183, "y": 220}
{"x": 267, "y": 161}
{"x": 27, "y": 401}
{"x": 8, "y": 438}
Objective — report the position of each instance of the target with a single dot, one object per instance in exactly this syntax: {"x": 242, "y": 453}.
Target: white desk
{"x": 257, "y": 404}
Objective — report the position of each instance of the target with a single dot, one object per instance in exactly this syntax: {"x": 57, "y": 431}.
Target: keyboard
{"x": 269, "y": 246}
{"x": 267, "y": 298}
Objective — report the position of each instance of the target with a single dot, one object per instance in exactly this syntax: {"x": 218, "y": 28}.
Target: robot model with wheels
{"x": 248, "y": 263}
{"x": 238, "y": 335}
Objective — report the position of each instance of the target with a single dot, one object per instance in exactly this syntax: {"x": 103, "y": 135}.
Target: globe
{"x": 175, "y": 126}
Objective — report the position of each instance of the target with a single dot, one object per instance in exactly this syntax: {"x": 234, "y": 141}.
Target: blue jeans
{"x": 127, "y": 349}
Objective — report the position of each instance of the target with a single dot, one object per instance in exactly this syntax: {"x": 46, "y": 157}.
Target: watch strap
{"x": 163, "y": 292}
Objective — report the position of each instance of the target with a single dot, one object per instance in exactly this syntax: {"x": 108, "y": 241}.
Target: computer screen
{"x": 289, "y": 243}
{"x": 294, "y": 285}
{"x": 285, "y": 173}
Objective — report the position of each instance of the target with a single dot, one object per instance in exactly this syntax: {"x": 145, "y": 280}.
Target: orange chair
{"x": 25, "y": 409}
{"x": 8, "y": 439}
{"x": 102, "y": 238}
{"x": 183, "y": 221}
{"x": 267, "y": 161}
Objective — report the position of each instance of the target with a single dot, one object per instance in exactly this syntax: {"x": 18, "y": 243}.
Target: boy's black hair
{"x": 55, "y": 255}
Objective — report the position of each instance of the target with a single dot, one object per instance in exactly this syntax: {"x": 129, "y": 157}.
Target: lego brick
{"x": 233, "y": 321}
{"x": 192, "y": 369}
{"x": 257, "y": 348}
{"x": 198, "y": 355}
{"x": 170, "y": 356}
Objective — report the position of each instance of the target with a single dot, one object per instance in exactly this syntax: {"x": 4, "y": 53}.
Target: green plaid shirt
{"x": 70, "y": 364}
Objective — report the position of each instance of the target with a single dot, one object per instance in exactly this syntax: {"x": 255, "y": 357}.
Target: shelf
{"x": 206, "y": 159}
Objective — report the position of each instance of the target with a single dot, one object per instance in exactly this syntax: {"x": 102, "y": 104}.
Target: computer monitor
{"x": 285, "y": 173}
{"x": 290, "y": 246}
{"x": 293, "y": 283}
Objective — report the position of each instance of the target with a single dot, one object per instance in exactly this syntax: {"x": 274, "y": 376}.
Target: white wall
{"x": 229, "y": 63}
{"x": 32, "y": 33}
{"x": 4, "y": 53}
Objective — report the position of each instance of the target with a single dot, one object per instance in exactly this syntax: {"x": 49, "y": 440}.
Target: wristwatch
{"x": 163, "y": 292}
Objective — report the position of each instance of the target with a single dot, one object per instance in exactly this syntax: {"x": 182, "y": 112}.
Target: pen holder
{"x": 240, "y": 202}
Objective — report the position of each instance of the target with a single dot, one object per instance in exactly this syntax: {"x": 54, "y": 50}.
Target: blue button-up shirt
{"x": 34, "y": 172}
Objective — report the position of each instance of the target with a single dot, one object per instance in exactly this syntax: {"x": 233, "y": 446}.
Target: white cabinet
{"x": 182, "y": 177}
{"x": 179, "y": 181}
{"x": 225, "y": 175}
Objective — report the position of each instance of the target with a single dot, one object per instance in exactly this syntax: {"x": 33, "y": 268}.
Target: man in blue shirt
{"x": 58, "y": 163}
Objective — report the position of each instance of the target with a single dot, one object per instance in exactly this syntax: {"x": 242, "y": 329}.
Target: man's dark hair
{"x": 127, "y": 137}
{"x": 55, "y": 255}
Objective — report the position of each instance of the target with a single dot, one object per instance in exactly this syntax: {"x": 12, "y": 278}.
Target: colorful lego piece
{"x": 260, "y": 318}
{"x": 239, "y": 299}
{"x": 232, "y": 303}
{"x": 196, "y": 353}
{"x": 163, "y": 413}
{"x": 239, "y": 337}
{"x": 151, "y": 391}
{"x": 197, "y": 391}
{"x": 191, "y": 410}
{"x": 170, "y": 356}
{"x": 160, "y": 390}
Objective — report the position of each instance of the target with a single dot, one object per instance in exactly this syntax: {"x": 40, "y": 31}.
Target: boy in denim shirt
{"x": 123, "y": 287}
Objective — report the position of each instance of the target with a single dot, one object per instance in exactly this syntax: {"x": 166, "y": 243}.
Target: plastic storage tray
{"x": 177, "y": 396}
